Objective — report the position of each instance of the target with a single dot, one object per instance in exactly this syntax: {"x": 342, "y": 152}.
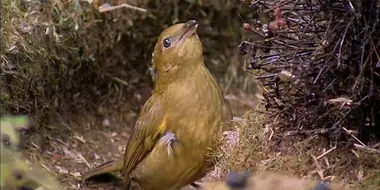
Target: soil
{"x": 83, "y": 142}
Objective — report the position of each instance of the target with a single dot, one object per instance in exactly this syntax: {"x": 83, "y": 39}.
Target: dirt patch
{"x": 74, "y": 145}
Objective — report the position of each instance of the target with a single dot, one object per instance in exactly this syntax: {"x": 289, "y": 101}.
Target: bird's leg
{"x": 169, "y": 139}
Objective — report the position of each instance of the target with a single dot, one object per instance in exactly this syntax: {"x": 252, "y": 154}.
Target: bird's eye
{"x": 167, "y": 42}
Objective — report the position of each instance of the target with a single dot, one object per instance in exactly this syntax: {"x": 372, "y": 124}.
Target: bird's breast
{"x": 195, "y": 113}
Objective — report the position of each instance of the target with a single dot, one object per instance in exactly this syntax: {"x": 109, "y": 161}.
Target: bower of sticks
{"x": 318, "y": 64}
{"x": 301, "y": 76}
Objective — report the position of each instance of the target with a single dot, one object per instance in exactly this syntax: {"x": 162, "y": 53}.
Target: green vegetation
{"x": 15, "y": 171}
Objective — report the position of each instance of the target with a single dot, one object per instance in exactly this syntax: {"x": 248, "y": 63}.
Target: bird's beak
{"x": 190, "y": 29}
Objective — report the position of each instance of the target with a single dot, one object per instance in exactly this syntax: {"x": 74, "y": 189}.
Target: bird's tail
{"x": 108, "y": 167}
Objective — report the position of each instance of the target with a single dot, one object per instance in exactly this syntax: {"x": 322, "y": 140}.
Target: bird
{"x": 181, "y": 122}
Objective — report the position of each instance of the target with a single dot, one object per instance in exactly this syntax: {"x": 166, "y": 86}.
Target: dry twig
{"x": 107, "y": 7}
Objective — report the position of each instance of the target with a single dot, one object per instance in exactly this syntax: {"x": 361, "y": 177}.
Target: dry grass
{"x": 260, "y": 150}
{"x": 269, "y": 181}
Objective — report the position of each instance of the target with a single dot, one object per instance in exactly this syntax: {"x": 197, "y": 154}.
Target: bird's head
{"x": 178, "y": 48}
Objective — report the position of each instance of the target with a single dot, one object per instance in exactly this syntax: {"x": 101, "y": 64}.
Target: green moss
{"x": 67, "y": 56}
{"x": 372, "y": 182}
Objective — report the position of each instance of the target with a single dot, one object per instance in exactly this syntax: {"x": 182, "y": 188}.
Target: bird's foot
{"x": 169, "y": 138}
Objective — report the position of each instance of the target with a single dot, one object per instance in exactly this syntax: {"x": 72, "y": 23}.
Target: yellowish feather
{"x": 163, "y": 126}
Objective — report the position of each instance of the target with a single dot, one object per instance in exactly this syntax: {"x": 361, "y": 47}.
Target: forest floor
{"x": 73, "y": 146}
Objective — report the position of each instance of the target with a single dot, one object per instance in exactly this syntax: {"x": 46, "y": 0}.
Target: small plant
{"x": 15, "y": 172}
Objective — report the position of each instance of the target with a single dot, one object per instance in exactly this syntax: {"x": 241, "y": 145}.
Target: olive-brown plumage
{"x": 179, "y": 124}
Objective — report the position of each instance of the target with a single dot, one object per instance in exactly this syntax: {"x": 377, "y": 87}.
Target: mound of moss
{"x": 62, "y": 57}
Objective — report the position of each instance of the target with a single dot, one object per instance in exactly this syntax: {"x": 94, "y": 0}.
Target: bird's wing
{"x": 149, "y": 127}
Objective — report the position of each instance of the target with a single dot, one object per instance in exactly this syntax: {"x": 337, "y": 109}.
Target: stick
{"x": 348, "y": 132}
{"x": 325, "y": 153}
{"x": 107, "y": 7}
{"x": 367, "y": 148}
